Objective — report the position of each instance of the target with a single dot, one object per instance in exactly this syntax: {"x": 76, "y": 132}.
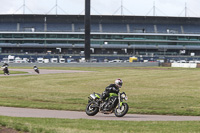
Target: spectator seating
{"x": 101, "y": 27}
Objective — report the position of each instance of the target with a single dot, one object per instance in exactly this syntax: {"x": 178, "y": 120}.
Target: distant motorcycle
{"x": 5, "y": 70}
{"x": 36, "y": 69}
{"x": 114, "y": 101}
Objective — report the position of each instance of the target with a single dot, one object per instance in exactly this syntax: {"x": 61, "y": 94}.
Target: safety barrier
{"x": 183, "y": 65}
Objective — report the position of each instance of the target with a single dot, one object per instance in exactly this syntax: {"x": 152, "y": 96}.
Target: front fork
{"x": 119, "y": 102}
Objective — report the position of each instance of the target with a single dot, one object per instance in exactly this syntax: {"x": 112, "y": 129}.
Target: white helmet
{"x": 118, "y": 83}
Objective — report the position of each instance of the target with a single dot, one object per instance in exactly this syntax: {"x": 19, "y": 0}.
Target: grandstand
{"x": 118, "y": 35}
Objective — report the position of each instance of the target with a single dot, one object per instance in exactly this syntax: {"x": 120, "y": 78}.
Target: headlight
{"x": 123, "y": 96}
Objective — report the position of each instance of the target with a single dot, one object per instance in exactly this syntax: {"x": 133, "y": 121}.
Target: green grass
{"x": 50, "y": 125}
{"x": 150, "y": 90}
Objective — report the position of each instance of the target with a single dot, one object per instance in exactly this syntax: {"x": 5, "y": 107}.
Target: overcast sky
{"x": 103, "y": 7}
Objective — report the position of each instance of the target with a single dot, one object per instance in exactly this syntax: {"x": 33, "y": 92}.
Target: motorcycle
{"x": 37, "y": 70}
{"x": 5, "y": 70}
{"x": 114, "y": 104}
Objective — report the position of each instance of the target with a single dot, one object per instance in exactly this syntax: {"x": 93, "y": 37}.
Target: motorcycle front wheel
{"x": 120, "y": 112}
{"x": 90, "y": 110}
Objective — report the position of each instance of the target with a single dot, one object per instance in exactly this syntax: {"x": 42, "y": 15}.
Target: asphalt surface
{"x": 43, "y": 113}
{"x": 42, "y": 71}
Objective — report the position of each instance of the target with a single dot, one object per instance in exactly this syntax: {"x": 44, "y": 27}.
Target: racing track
{"x": 43, "y": 113}
{"x": 42, "y": 71}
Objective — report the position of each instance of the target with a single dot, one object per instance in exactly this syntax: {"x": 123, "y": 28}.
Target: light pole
{"x": 87, "y": 30}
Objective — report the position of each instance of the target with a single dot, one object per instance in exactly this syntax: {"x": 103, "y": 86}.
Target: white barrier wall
{"x": 185, "y": 65}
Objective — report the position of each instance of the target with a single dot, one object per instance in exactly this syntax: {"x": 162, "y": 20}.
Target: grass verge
{"x": 41, "y": 125}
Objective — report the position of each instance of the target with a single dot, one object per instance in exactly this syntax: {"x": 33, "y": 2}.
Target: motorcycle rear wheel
{"x": 122, "y": 111}
{"x": 90, "y": 110}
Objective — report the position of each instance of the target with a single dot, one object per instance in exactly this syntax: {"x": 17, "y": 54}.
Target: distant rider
{"x": 5, "y": 65}
{"x": 36, "y": 69}
{"x": 112, "y": 88}
{"x": 5, "y": 68}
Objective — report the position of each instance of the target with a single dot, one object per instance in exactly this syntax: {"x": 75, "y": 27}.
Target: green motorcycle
{"x": 114, "y": 103}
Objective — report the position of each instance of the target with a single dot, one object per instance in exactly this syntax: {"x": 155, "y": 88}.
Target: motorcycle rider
{"x": 5, "y": 64}
{"x": 112, "y": 88}
{"x": 35, "y": 68}
{"x": 5, "y": 68}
